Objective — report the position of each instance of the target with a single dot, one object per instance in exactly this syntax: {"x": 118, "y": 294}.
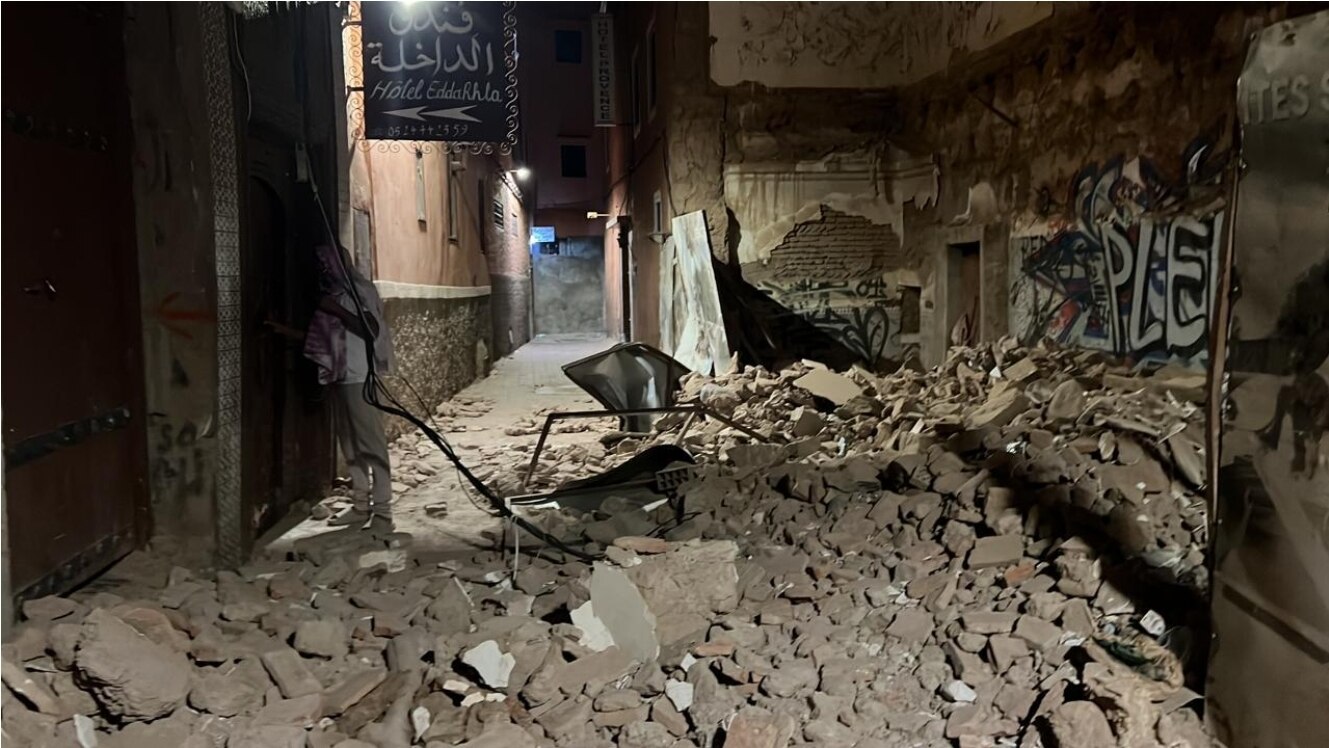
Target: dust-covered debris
{"x": 1005, "y": 550}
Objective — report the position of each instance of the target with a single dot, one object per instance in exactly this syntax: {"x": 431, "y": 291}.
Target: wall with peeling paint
{"x": 978, "y": 142}
{"x": 1050, "y": 122}
{"x": 855, "y": 45}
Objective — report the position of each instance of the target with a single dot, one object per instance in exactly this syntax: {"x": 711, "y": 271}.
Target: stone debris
{"x": 1007, "y": 550}
{"x": 493, "y": 665}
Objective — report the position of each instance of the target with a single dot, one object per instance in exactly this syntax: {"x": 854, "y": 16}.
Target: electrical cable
{"x": 375, "y": 391}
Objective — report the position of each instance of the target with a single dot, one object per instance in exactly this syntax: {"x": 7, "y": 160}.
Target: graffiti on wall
{"x": 1133, "y": 269}
{"x": 860, "y": 314}
{"x": 178, "y": 462}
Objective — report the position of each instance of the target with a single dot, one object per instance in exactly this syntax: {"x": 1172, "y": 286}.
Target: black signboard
{"x": 440, "y": 71}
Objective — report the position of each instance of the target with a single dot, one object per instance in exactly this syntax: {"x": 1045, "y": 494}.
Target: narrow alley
{"x": 492, "y": 423}
{"x": 665, "y": 375}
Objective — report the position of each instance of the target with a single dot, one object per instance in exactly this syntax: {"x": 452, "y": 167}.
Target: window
{"x": 567, "y": 46}
{"x": 650, "y": 72}
{"x": 453, "y": 214}
{"x": 574, "y": 161}
{"x": 657, "y": 213}
{"x": 498, "y": 212}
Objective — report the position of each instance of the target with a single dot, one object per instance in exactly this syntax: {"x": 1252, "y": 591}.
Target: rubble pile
{"x": 1067, "y": 439}
{"x": 1004, "y": 551}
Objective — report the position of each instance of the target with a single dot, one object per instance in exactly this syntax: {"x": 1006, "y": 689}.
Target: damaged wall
{"x": 855, "y": 45}
{"x": 1095, "y": 145}
{"x": 822, "y": 238}
{"x": 1079, "y": 154}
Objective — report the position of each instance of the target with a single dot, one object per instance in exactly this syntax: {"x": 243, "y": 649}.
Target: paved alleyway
{"x": 431, "y": 505}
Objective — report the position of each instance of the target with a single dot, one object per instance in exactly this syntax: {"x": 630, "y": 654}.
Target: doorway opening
{"x": 964, "y": 294}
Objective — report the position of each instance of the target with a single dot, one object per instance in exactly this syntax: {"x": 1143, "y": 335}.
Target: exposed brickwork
{"x": 846, "y": 245}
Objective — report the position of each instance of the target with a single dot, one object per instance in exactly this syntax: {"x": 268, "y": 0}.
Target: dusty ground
{"x": 528, "y": 382}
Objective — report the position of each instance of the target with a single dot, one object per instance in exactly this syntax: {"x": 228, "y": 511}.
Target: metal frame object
{"x": 693, "y": 409}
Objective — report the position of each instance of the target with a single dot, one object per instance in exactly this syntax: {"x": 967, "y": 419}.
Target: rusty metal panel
{"x": 1269, "y": 673}
{"x": 74, "y": 426}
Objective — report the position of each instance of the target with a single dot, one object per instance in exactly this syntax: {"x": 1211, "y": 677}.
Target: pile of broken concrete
{"x": 1007, "y": 550}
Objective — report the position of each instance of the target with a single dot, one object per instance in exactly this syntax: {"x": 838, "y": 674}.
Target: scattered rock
{"x": 131, "y": 677}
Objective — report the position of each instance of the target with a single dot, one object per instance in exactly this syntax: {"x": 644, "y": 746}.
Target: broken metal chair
{"x": 644, "y": 480}
{"x": 637, "y": 383}
{"x": 629, "y": 377}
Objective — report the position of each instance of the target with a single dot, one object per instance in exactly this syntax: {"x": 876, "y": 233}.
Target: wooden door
{"x": 73, "y": 413}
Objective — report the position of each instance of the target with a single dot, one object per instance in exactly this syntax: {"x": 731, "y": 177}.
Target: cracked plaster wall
{"x": 855, "y": 45}
{"x": 1091, "y": 84}
{"x": 1110, "y": 84}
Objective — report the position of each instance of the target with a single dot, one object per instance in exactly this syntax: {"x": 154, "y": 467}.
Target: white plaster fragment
{"x": 1153, "y": 623}
{"x": 456, "y": 686}
{"x": 491, "y": 663}
{"x": 679, "y": 693}
{"x": 395, "y": 560}
{"x": 420, "y": 721}
{"x": 959, "y": 692}
{"x": 618, "y": 603}
{"x": 594, "y": 635}
{"x": 86, "y": 731}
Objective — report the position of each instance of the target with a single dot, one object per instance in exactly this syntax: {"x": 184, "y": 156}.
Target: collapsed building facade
{"x": 1037, "y": 170}
{"x": 1018, "y": 226}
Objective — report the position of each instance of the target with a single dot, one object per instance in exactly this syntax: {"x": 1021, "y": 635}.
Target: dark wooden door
{"x": 74, "y": 426}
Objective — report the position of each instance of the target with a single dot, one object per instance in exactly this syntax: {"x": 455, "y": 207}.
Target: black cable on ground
{"x": 375, "y": 389}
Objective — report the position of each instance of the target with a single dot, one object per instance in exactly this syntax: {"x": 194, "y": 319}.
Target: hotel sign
{"x": 604, "y": 75}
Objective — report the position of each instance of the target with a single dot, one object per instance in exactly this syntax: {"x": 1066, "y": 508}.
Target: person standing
{"x": 340, "y": 338}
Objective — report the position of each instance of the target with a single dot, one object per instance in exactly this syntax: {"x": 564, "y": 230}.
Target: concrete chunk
{"x": 1081, "y": 724}
{"x": 826, "y": 384}
{"x": 132, "y": 677}
{"x": 288, "y": 671}
{"x": 998, "y": 550}
{"x": 619, "y": 605}
{"x": 988, "y": 622}
{"x": 754, "y": 727}
{"x": 911, "y": 625}
{"x": 349, "y": 691}
{"x": 326, "y": 638}
{"x": 1038, "y": 633}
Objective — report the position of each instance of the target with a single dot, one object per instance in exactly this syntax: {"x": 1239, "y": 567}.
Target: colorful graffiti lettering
{"x": 1134, "y": 271}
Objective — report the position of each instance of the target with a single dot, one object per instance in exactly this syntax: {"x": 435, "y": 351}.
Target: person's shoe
{"x": 381, "y": 523}
{"x": 350, "y": 517}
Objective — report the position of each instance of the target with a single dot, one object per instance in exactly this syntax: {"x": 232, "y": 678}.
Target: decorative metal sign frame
{"x": 353, "y": 38}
